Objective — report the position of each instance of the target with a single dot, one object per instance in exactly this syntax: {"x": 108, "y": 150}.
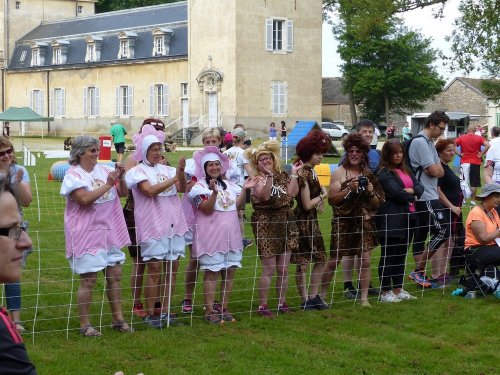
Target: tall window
{"x": 498, "y": 119}
{"x": 279, "y": 35}
{"x": 36, "y": 101}
{"x": 18, "y": 5}
{"x": 58, "y": 103}
{"x": 57, "y": 56}
{"x": 124, "y": 101}
{"x": 184, "y": 89}
{"x": 91, "y": 101}
{"x": 159, "y": 45}
{"x": 79, "y": 9}
{"x": 23, "y": 56}
{"x": 35, "y": 58}
{"x": 124, "y": 48}
{"x": 279, "y": 98}
{"x": 158, "y": 100}
{"x": 91, "y": 52}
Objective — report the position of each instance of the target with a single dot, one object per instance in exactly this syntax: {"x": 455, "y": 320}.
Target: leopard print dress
{"x": 273, "y": 222}
{"x": 311, "y": 245}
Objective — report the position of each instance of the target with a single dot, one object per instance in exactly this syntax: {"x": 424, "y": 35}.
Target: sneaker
{"x": 227, "y": 316}
{"x": 389, "y": 297}
{"x": 350, "y": 294}
{"x": 168, "y": 319}
{"x": 213, "y": 318}
{"x": 283, "y": 308}
{"x": 217, "y": 307}
{"x": 187, "y": 306}
{"x": 153, "y": 321}
{"x": 308, "y": 305}
{"x": 436, "y": 283}
{"x": 247, "y": 242}
{"x": 405, "y": 296}
{"x": 420, "y": 278}
{"x": 264, "y": 311}
{"x": 373, "y": 291}
{"x": 138, "y": 310}
{"x": 157, "y": 310}
{"x": 19, "y": 328}
{"x": 319, "y": 304}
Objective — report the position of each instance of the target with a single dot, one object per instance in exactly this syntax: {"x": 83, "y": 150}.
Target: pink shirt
{"x": 99, "y": 226}
{"x": 408, "y": 183}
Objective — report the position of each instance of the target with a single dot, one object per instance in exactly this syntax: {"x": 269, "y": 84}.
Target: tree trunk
{"x": 352, "y": 107}
{"x": 387, "y": 109}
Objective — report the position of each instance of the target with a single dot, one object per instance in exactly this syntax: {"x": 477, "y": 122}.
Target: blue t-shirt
{"x": 272, "y": 132}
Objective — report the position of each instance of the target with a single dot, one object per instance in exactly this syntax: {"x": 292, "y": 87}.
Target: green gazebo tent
{"x": 23, "y": 114}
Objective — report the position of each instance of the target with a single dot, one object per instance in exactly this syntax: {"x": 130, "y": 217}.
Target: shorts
{"x": 472, "y": 174}
{"x": 120, "y": 147}
{"x": 96, "y": 262}
{"x": 433, "y": 218}
{"x": 188, "y": 237}
{"x": 164, "y": 249}
{"x": 220, "y": 261}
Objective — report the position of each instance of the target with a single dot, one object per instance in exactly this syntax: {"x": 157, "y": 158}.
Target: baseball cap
{"x": 239, "y": 133}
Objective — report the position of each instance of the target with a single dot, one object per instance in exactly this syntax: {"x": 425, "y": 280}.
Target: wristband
{"x": 294, "y": 176}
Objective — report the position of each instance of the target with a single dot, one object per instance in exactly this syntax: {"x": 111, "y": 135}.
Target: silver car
{"x": 335, "y": 130}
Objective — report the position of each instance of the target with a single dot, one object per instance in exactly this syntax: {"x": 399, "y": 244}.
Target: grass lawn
{"x": 435, "y": 334}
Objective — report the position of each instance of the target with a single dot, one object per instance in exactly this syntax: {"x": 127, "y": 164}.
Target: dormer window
{"x": 23, "y": 56}
{"x": 127, "y": 43}
{"x": 59, "y": 52}
{"x": 38, "y": 53}
{"x": 94, "y": 44}
{"x": 161, "y": 41}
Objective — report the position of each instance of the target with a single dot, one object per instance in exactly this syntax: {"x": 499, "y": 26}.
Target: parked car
{"x": 336, "y": 130}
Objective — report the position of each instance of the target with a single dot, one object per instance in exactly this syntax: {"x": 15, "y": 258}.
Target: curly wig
{"x": 355, "y": 140}
{"x": 268, "y": 148}
{"x": 315, "y": 142}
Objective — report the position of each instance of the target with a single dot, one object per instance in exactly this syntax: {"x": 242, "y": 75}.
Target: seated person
{"x": 67, "y": 143}
{"x": 482, "y": 230}
{"x": 170, "y": 145}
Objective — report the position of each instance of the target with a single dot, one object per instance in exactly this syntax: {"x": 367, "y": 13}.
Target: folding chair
{"x": 471, "y": 279}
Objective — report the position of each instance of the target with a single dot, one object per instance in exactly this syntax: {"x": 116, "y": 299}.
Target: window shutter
{"x": 52, "y": 102}
{"x": 63, "y": 102}
{"x": 85, "y": 90}
{"x": 40, "y": 103}
{"x": 130, "y": 101}
{"x": 31, "y": 100}
{"x": 289, "y": 43}
{"x": 96, "y": 98}
{"x": 117, "y": 101}
{"x": 285, "y": 97}
{"x": 151, "y": 100}
{"x": 269, "y": 34}
{"x": 165, "y": 105}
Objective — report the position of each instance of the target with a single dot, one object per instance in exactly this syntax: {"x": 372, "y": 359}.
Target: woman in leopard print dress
{"x": 310, "y": 150}
{"x": 273, "y": 221}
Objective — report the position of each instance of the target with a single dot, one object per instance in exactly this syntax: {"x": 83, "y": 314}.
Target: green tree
{"x": 386, "y": 69}
{"x": 110, "y": 5}
{"x": 476, "y": 41}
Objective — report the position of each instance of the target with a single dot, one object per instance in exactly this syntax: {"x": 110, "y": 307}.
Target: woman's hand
{"x": 410, "y": 191}
{"x": 297, "y": 167}
{"x": 212, "y": 185}
{"x": 181, "y": 165}
{"x": 19, "y": 176}
{"x": 251, "y": 182}
{"x": 121, "y": 170}
{"x": 324, "y": 193}
{"x": 369, "y": 188}
{"x": 264, "y": 170}
{"x": 456, "y": 210}
{"x": 112, "y": 177}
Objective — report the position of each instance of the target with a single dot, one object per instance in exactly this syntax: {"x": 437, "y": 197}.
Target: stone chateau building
{"x": 193, "y": 63}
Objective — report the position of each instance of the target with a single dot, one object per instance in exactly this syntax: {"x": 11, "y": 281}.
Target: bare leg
{"x": 282, "y": 263}
{"x": 113, "y": 276}
{"x": 473, "y": 193}
{"x": 209, "y": 286}
{"x": 347, "y": 267}
{"x": 365, "y": 275}
{"x": 191, "y": 276}
{"x": 151, "y": 290}
{"x": 440, "y": 260}
{"x": 168, "y": 285}
{"x": 87, "y": 283}
{"x": 300, "y": 280}
{"x": 327, "y": 276}
{"x": 268, "y": 269}
{"x": 226, "y": 286}
{"x": 136, "y": 278}
{"x": 316, "y": 275}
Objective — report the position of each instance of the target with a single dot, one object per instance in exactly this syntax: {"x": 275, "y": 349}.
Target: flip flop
{"x": 89, "y": 331}
{"x": 122, "y": 326}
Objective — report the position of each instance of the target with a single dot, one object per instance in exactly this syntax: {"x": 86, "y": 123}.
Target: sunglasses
{"x": 354, "y": 151}
{"x": 157, "y": 125}
{"x": 93, "y": 150}
{"x": 393, "y": 140}
{"x": 265, "y": 158}
{"x": 13, "y": 232}
{"x": 9, "y": 151}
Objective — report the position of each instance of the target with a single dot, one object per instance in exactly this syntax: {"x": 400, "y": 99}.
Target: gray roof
{"x": 332, "y": 91}
{"x": 142, "y": 21}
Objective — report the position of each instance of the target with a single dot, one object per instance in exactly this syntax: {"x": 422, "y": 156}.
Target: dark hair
{"x": 436, "y": 117}
{"x": 158, "y": 124}
{"x": 443, "y": 143}
{"x": 356, "y": 140}
{"x": 208, "y": 178}
{"x": 315, "y": 142}
{"x": 390, "y": 147}
{"x": 495, "y": 131}
{"x": 364, "y": 123}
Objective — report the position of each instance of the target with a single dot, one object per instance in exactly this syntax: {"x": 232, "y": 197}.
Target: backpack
{"x": 406, "y": 147}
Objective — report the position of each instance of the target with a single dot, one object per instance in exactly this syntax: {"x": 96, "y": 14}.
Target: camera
{"x": 362, "y": 182}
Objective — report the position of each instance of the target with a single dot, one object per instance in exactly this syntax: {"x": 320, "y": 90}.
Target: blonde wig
{"x": 271, "y": 148}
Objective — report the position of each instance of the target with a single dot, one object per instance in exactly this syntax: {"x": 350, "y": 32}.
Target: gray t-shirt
{"x": 423, "y": 153}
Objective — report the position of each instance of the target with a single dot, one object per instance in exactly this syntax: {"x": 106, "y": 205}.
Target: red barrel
{"x": 105, "y": 143}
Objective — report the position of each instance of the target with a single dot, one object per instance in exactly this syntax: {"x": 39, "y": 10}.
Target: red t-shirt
{"x": 470, "y": 145}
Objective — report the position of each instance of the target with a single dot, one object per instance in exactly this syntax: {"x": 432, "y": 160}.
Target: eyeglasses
{"x": 157, "y": 125}
{"x": 9, "y": 151}
{"x": 393, "y": 140}
{"x": 93, "y": 150}
{"x": 265, "y": 158}
{"x": 354, "y": 151}
{"x": 13, "y": 232}
{"x": 442, "y": 128}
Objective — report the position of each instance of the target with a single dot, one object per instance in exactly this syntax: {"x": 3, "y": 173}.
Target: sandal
{"x": 89, "y": 331}
{"x": 19, "y": 328}
{"x": 214, "y": 318}
{"x": 122, "y": 326}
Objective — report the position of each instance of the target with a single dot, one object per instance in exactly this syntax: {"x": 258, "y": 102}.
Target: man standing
{"x": 431, "y": 214}
{"x": 118, "y": 133}
{"x": 471, "y": 154}
{"x": 374, "y": 141}
{"x": 406, "y": 132}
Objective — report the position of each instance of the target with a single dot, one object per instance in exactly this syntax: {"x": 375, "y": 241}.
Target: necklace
{"x": 489, "y": 215}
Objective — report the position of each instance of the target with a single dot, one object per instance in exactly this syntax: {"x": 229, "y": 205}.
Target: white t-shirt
{"x": 376, "y": 134}
{"x": 235, "y": 155}
{"x": 226, "y": 199}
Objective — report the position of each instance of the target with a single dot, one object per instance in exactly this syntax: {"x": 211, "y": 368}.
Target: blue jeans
{"x": 13, "y": 296}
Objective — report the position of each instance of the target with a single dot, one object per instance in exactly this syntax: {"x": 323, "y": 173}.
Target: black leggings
{"x": 391, "y": 267}
{"x": 483, "y": 256}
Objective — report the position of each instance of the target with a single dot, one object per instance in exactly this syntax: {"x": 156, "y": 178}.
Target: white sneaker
{"x": 472, "y": 203}
{"x": 389, "y": 297}
{"x": 404, "y": 295}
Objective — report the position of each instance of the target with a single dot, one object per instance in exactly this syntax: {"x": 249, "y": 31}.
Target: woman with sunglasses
{"x": 395, "y": 219}
{"x": 273, "y": 221}
{"x": 14, "y": 241}
{"x": 20, "y": 185}
{"x": 95, "y": 229}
